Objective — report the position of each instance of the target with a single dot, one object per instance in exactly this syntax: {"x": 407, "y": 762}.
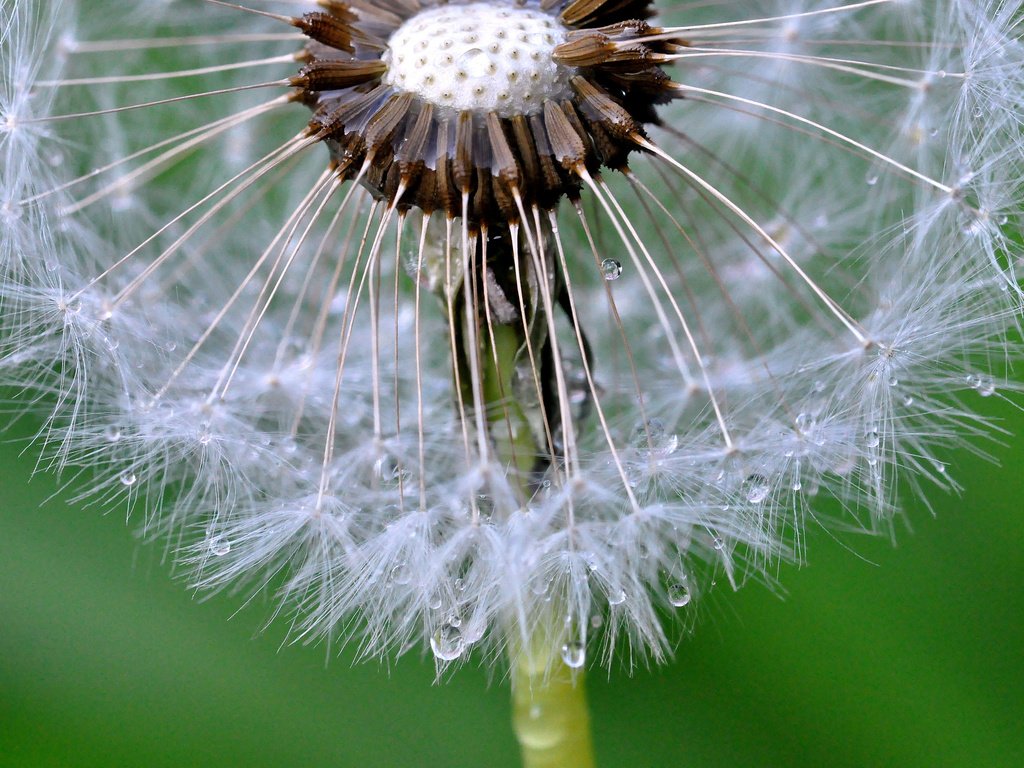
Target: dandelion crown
{"x": 580, "y": 313}
{"x": 482, "y": 110}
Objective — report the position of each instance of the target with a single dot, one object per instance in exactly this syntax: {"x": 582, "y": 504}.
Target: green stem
{"x": 549, "y": 711}
{"x": 550, "y": 714}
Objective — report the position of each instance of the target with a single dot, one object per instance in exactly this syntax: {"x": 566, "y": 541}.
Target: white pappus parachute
{"x": 441, "y": 328}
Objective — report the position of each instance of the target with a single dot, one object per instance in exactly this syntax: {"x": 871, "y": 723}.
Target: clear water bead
{"x": 401, "y": 574}
{"x": 984, "y": 385}
{"x": 127, "y": 478}
{"x": 678, "y": 595}
{"x": 220, "y": 546}
{"x": 652, "y": 439}
{"x": 112, "y": 433}
{"x": 756, "y": 488}
{"x": 574, "y": 654}
{"x": 447, "y": 643}
{"x": 806, "y": 422}
{"x": 611, "y": 269}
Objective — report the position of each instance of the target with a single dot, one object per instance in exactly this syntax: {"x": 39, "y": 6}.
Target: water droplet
{"x": 985, "y": 386}
{"x": 597, "y": 621}
{"x": 220, "y": 546}
{"x": 447, "y": 642}
{"x": 871, "y": 178}
{"x": 973, "y": 227}
{"x": 893, "y": 381}
{"x": 574, "y": 654}
{"x": 128, "y": 478}
{"x": 871, "y": 438}
{"x": 401, "y": 574}
{"x": 678, "y": 595}
{"x": 386, "y": 468}
{"x": 806, "y": 422}
{"x": 435, "y": 601}
{"x": 756, "y": 488}
{"x": 541, "y": 587}
{"x": 797, "y": 485}
{"x": 611, "y": 269}
{"x": 651, "y": 439}
{"x": 718, "y": 543}
{"x": 112, "y": 433}
{"x": 617, "y": 597}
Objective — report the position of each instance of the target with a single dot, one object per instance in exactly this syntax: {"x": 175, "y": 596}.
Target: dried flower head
{"x": 552, "y": 307}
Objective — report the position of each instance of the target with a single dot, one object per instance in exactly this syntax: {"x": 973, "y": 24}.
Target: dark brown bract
{"x": 478, "y": 164}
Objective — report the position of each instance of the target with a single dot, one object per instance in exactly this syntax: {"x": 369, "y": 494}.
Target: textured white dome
{"x": 485, "y": 57}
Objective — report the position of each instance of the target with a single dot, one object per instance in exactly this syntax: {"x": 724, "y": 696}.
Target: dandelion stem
{"x": 549, "y": 709}
{"x": 550, "y": 715}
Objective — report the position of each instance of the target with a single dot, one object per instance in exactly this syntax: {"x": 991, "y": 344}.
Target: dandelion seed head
{"x": 483, "y": 110}
{"x": 453, "y": 364}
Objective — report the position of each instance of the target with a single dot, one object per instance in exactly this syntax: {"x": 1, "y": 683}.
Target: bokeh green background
{"x": 877, "y": 656}
{"x": 908, "y": 656}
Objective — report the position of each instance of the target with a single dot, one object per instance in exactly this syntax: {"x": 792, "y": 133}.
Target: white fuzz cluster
{"x": 793, "y": 305}
{"x": 487, "y": 57}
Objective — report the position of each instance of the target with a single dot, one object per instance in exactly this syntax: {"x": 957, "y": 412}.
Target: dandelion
{"x": 508, "y": 327}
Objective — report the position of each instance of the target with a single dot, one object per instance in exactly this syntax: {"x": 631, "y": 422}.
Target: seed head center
{"x": 482, "y": 57}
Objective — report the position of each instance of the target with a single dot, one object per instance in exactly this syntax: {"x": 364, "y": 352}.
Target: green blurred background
{"x": 877, "y": 656}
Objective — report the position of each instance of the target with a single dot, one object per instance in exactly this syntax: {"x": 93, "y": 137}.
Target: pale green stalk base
{"x": 549, "y": 713}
